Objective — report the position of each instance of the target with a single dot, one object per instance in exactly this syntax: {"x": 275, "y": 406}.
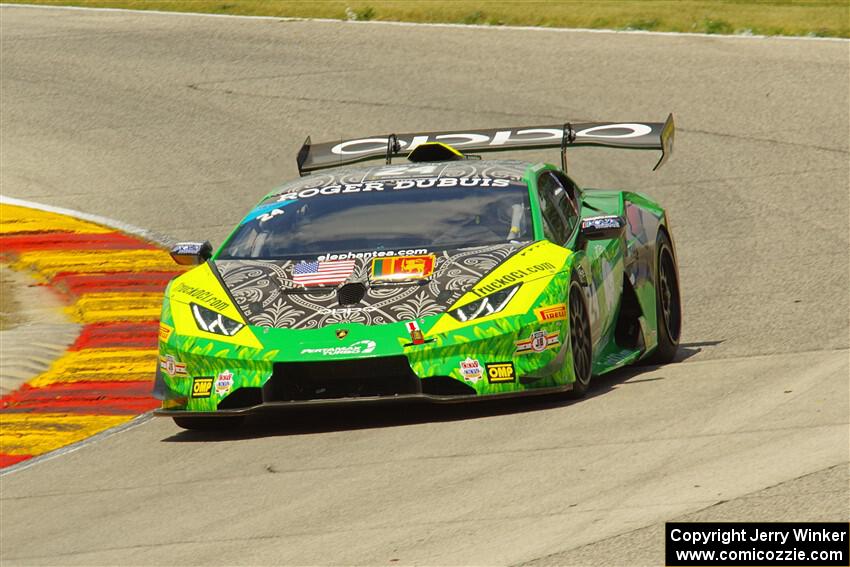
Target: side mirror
{"x": 602, "y": 228}
{"x": 191, "y": 253}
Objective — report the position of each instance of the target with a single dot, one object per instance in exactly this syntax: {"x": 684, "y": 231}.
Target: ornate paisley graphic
{"x": 266, "y": 295}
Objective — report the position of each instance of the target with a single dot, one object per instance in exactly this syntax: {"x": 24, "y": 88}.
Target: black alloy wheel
{"x": 580, "y": 341}
{"x": 668, "y": 303}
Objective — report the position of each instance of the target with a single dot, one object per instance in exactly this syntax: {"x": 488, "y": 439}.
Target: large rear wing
{"x": 630, "y": 136}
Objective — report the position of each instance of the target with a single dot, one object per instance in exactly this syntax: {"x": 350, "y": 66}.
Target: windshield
{"x": 394, "y": 217}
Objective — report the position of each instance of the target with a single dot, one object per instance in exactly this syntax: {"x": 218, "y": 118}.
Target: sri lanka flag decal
{"x": 395, "y": 268}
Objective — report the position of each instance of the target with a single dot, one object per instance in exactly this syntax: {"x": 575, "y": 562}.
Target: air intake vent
{"x": 382, "y": 376}
{"x": 351, "y": 293}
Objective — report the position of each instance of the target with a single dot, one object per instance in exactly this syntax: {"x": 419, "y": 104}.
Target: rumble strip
{"x": 113, "y": 284}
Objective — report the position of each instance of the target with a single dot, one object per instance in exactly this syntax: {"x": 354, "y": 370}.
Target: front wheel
{"x": 580, "y": 341}
{"x": 668, "y": 304}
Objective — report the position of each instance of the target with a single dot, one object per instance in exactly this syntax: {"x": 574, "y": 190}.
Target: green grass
{"x": 823, "y": 18}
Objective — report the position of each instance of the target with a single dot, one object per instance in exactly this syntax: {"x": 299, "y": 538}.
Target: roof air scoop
{"x": 434, "y": 151}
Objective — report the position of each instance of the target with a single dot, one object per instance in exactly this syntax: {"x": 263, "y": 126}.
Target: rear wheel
{"x": 580, "y": 341}
{"x": 209, "y": 423}
{"x": 668, "y": 308}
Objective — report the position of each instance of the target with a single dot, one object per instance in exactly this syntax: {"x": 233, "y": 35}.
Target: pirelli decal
{"x": 165, "y": 332}
{"x": 550, "y": 313}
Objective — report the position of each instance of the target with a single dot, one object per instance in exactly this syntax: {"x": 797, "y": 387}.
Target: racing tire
{"x": 209, "y": 423}
{"x": 581, "y": 344}
{"x": 668, "y": 303}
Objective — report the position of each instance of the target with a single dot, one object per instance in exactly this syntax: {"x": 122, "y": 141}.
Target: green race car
{"x": 448, "y": 278}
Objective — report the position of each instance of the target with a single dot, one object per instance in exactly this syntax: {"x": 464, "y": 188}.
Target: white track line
{"x": 67, "y": 449}
{"x": 112, "y": 223}
{"x": 432, "y": 25}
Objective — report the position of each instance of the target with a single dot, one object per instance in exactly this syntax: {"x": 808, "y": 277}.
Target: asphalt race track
{"x": 180, "y": 123}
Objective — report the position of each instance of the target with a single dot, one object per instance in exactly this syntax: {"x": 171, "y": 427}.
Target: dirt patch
{"x": 9, "y": 306}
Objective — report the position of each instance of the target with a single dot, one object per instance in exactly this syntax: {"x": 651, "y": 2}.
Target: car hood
{"x": 266, "y": 295}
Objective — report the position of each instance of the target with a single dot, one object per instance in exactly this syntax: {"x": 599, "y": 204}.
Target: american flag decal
{"x": 329, "y": 272}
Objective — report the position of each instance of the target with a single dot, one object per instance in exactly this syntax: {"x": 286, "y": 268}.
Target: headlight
{"x": 493, "y": 303}
{"x": 213, "y": 322}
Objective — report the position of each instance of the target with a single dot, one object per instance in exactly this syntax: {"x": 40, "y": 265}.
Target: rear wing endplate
{"x": 624, "y": 135}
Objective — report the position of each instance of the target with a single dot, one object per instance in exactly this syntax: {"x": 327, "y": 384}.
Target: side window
{"x": 549, "y": 192}
{"x": 569, "y": 206}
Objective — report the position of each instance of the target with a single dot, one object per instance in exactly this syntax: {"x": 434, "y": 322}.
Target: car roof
{"x": 513, "y": 170}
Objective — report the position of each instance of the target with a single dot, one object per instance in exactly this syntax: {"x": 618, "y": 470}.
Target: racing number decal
{"x": 406, "y": 170}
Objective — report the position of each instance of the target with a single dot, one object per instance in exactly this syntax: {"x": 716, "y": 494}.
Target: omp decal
{"x": 551, "y": 313}
{"x": 538, "y": 342}
{"x": 470, "y": 370}
{"x": 202, "y": 386}
{"x": 500, "y": 372}
{"x": 202, "y": 285}
{"x": 403, "y": 267}
{"x": 113, "y": 283}
{"x": 534, "y": 266}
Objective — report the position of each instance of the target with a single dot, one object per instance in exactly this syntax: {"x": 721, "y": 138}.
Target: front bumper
{"x": 202, "y": 377}
{"x": 268, "y": 407}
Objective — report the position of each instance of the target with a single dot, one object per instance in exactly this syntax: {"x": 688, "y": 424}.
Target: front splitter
{"x": 374, "y": 400}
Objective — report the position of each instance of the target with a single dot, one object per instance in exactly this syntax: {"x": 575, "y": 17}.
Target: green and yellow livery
{"x": 446, "y": 278}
